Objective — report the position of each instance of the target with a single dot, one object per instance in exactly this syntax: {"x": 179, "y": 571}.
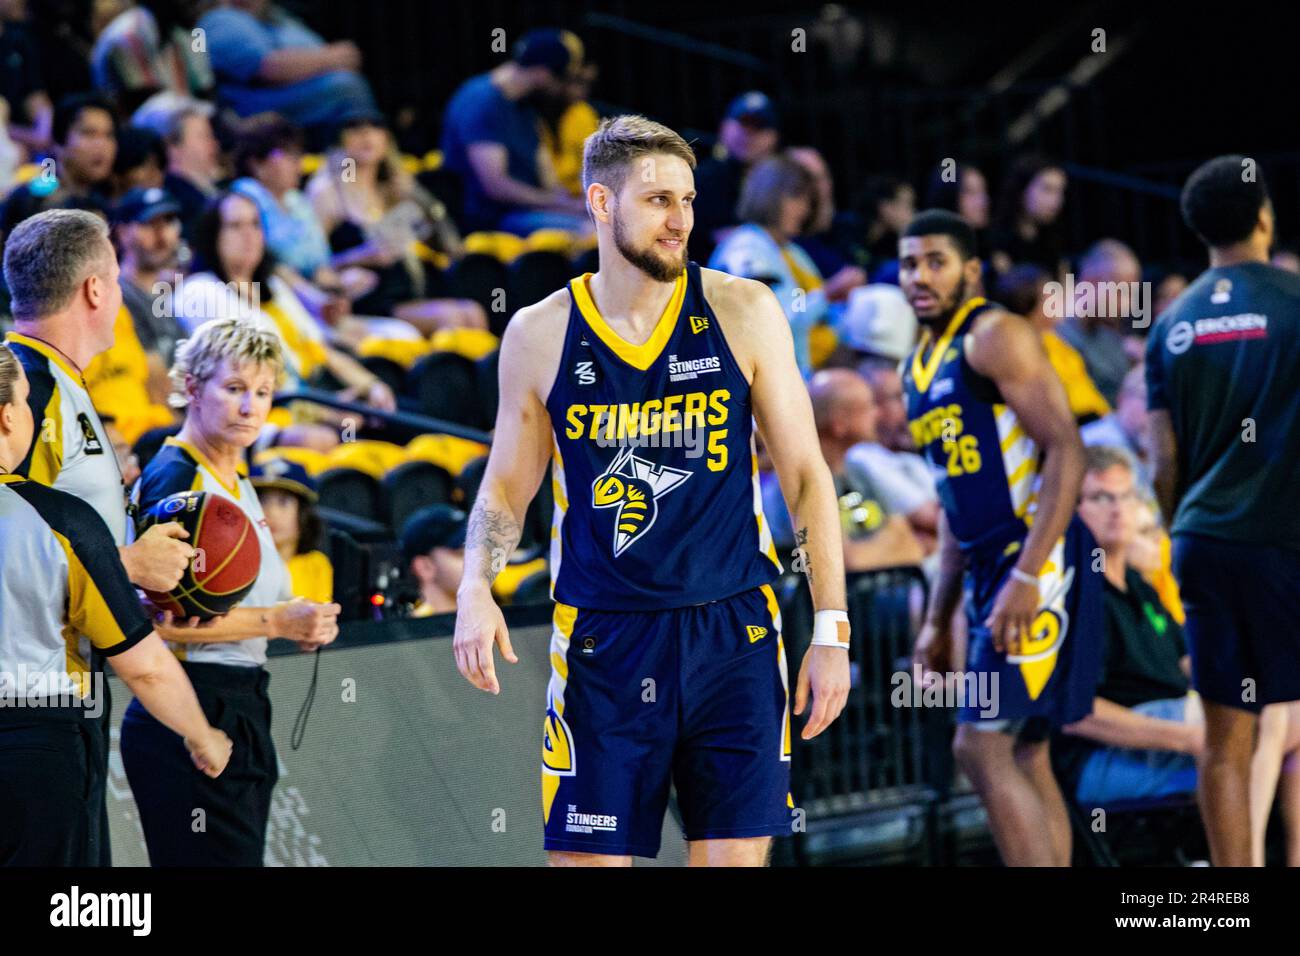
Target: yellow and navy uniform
{"x": 661, "y": 563}
{"x": 986, "y": 472}
{"x": 231, "y": 685}
{"x": 59, "y": 578}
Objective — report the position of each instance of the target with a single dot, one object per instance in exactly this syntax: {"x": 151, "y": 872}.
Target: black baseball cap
{"x": 437, "y": 526}
{"x": 143, "y": 205}
{"x": 560, "y": 51}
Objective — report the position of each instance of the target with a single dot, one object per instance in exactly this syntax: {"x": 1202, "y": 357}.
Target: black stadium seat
{"x": 467, "y": 482}
{"x": 444, "y": 385}
{"x": 350, "y": 491}
{"x": 589, "y": 261}
{"x": 535, "y": 275}
{"x": 488, "y": 384}
{"x": 479, "y": 276}
{"x": 390, "y": 373}
{"x": 411, "y": 486}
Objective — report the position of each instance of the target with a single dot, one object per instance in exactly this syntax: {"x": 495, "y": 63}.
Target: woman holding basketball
{"x": 224, "y": 376}
{"x": 60, "y": 575}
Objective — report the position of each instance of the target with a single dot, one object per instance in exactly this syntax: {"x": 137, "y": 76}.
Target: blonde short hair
{"x": 236, "y": 340}
{"x": 608, "y": 152}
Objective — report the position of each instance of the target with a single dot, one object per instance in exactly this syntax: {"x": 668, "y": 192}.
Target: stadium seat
{"x": 535, "y": 275}
{"x": 467, "y": 482}
{"x": 390, "y": 373}
{"x": 148, "y": 444}
{"x": 478, "y": 276}
{"x": 443, "y": 385}
{"x": 449, "y": 452}
{"x": 589, "y": 261}
{"x": 349, "y": 561}
{"x": 534, "y": 589}
{"x": 351, "y": 491}
{"x": 489, "y": 394}
{"x": 411, "y": 486}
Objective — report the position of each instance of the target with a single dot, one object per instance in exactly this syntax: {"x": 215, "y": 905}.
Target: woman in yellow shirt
{"x": 288, "y": 497}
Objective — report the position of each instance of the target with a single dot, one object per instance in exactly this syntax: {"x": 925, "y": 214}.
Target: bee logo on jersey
{"x": 633, "y": 485}
{"x": 557, "y": 745}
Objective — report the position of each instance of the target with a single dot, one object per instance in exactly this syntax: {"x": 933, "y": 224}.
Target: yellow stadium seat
{"x": 405, "y": 352}
{"x": 508, "y": 580}
{"x": 372, "y": 457}
{"x": 450, "y": 452}
{"x": 550, "y": 240}
{"x": 314, "y": 461}
{"x": 471, "y": 343}
{"x": 502, "y": 246}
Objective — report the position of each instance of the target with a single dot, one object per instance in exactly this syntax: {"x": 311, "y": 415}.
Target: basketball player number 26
{"x": 963, "y": 456}
{"x": 718, "y": 449}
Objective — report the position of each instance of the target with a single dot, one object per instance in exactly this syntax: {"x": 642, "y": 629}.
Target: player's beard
{"x": 647, "y": 260}
{"x": 960, "y": 295}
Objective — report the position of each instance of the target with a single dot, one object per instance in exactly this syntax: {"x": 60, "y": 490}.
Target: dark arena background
{"x": 393, "y": 263}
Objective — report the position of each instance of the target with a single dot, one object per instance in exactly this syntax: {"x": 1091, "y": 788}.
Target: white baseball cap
{"x": 878, "y": 320}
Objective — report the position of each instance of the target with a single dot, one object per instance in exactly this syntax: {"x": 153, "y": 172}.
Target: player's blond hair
{"x": 608, "y": 153}
{"x": 237, "y": 340}
{"x": 8, "y": 374}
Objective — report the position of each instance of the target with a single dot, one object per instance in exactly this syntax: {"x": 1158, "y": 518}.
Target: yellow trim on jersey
{"x": 564, "y": 619}
{"x": 638, "y": 356}
{"x": 87, "y": 613}
{"x": 923, "y": 372}
{"x": 240, "y": 469}
{"x": 53, "y": 354}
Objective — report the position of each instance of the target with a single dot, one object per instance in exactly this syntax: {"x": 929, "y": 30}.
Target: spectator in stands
{"x": 888, "y": 205}
{"x": 266, "y": 60}
{"x": 1126, "y": 427}
{"x": 149, "y": 47}
{"x": 568, "y": 121}
{"x": 85, "y": 137}
{"x": 193, "y": 154}
{"x": 775, "y": 204}
{"x": 22, "y": 85}
{"x": 749, "y": 133}
{"x": 1022, "y": 289}
{"x": 141, "y": 160}
{"x": 1145, "y": 731}
{"x": 374, "y": 213}
{"x": 433, "y": 548}
{"x": 900, "y": 476}
{"x": 1285, "y": 256}
{"x": 877, "y": 321}
{"x": 874, "y": 535}
{"x": 830, "y": 237}
{"x": 1027, "y": 225}
{"x": 491, "y": 138}
{"x": 1099, "y": 338}
{"x": 240, "y": 281}
{"x": 1170, "y": 288}
{"x": 962, "y": 189}
{"x": 288, "y": 498}
{"x": 129, "y": 380}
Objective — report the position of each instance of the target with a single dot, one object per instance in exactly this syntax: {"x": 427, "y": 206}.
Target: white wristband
{"x": 831, "y": 629}
{"x": 1024, "y": 577}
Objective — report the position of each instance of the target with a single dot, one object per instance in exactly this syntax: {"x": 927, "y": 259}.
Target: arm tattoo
{"x": 491, "y": 537}
{"x": 802, "y": 562}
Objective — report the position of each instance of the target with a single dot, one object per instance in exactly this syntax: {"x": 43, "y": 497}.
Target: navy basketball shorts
{"x": 1243, "y": 605}
{"x": 1052, "y": 681}
{"x": 693, "y": 696}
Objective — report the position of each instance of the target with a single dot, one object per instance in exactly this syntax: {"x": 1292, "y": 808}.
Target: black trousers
{"x": 190, "y": 819}
{"x": 50, "y": 774}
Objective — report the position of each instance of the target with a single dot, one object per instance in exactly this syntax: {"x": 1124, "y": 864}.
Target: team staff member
{"x": 62, "y": 276}
{"x": 58, "y": 573}
{"x": 224, "y": 376}
{"x": 1223, "y": 380}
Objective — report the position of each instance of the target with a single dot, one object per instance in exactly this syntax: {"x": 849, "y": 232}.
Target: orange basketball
{"x": 228, "y": 559}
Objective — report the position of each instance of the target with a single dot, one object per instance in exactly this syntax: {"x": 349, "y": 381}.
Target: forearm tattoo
{"x": 802, "y": 561}
{"x": 490, "y": 539}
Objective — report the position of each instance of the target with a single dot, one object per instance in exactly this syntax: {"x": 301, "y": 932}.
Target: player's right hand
{"x": 158, "y": 558}
{"x": 211, "y": 752}
{"x": 933, "y": 650}
{"x": 479, "y": 625}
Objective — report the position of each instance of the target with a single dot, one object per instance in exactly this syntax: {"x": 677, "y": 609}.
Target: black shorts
{"x": 1243, "y": 606}
{"x": 50, "y": 774}
{"x": 189, "y": 818}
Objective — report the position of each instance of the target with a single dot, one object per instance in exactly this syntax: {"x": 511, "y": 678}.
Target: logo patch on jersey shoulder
{"x": 699, "y": 323}
{"x": 93, "y": 445}
{"x": 584, "y": 372}
{"x": 633, "y": 485}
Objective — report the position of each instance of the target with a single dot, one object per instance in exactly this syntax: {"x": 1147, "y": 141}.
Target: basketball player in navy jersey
{"x": 991, "y": 417}
{"x": 641, "y": 385}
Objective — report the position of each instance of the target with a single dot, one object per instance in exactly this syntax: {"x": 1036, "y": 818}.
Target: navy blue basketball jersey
{"x": 654, "y": 469}
{"x": 984, "y": 464}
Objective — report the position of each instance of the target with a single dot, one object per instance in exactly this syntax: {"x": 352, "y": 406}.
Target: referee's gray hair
{"x": 49, "y": 256}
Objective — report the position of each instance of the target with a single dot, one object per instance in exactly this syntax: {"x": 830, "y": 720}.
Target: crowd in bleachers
{"x": 246, "y": 170}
